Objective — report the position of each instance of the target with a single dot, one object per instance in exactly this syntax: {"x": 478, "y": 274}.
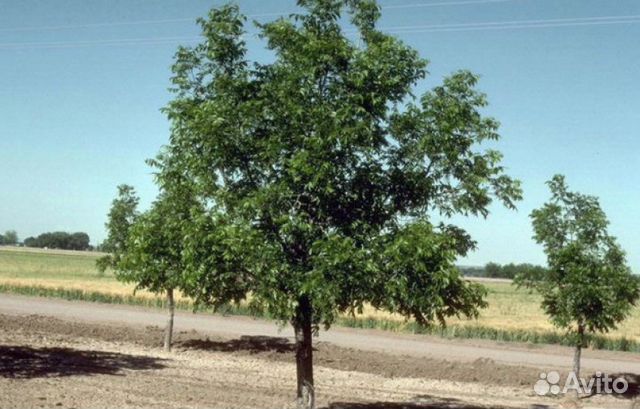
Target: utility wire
{"x": 73, "y": 44}
{"x": 513, "y": 25}
{"x": 189, "y": 19}
{"x": 95, "y": 25}
{"x": 496, "y": 25}
{"x": 571, "y": 20}
{"x": 441, "y": 4}
{"x": 120, "y": 23}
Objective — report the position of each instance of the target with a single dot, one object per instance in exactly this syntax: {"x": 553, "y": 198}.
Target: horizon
{"x": 84, "y": 85}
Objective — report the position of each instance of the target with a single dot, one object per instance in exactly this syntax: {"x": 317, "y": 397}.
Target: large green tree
{"x": 322, "y": 173}
{"x": 588, "y": 286}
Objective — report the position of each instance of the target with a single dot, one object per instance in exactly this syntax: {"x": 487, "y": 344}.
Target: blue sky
{"x": 80, "y": 102}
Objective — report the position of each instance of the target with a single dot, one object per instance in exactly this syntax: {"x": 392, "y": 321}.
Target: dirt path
{"x": 542, "y": 357}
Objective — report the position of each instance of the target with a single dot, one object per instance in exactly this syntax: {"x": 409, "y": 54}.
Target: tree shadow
{"x": 418, "y": 402}
{"x": 250, "y": 344}
{"x": 24, "y": 362}
{"x": 633, "y": 382}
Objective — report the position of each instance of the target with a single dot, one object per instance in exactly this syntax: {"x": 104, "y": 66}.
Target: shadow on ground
{"x": 251, "y": 344}
{"x": 419, "y": 402}
{"x": 24, "y": 362}
{"x": 633, "y": 388}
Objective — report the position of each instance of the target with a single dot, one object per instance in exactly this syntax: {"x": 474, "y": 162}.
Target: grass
{"x": 19, "y": 263}
{"x": 512, "y": 315}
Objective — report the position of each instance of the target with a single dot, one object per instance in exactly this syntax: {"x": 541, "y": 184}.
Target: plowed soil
{"x": 47, "y": 362}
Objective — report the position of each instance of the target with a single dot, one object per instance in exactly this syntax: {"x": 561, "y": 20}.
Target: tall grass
{"x": 489, "y": 333}
{"x": 71, "y": 294}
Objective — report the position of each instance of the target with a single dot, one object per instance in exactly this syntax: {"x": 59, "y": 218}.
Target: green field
{"x": 22, "y": 270}
{"x": 23, "y": 263}
{"x": 512, "y": 314}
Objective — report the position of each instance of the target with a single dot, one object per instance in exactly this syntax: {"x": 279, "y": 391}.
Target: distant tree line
{"x": 60, "y": 240}
{"x": 9, "y": 238}
{"x": 495, "y": 270}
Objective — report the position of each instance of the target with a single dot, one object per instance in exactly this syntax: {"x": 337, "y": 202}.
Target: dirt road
{"x": 542, "y": 357}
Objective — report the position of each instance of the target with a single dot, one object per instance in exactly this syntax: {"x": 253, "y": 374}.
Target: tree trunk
{"x": 304, "y": 353}
{"x": 168, "y": 331}
{"x": 578, "y": 353}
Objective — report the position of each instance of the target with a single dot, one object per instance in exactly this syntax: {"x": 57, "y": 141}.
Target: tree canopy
{"x": 153, "y": 259}
{"x": 122, "y": 215}
{"x": 322, "y": 153}
{"x": 150, "y": 246}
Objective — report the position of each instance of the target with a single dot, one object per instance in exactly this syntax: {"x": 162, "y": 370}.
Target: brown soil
{"x": 46, "y": 362}
{"x": 282, "y": 350}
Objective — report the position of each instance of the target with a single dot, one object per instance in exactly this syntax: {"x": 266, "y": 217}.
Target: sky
{"x": 82, "y": 84}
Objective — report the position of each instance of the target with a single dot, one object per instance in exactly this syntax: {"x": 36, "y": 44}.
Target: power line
{"x": 258, "y": 15}
{"x": 441, "y": 4}
{"x": 632, "y": 18}
{"x": 120, "y": 23}
{"x": 95, "y": 25}
{"x": 73, "y": 44}
{"x": 496, "y": 25}
{"x": 523, "y": 24}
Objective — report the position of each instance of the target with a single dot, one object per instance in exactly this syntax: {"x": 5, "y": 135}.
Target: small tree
{"x": 181, "y": 243}
{"x": 153, "y": 256}
{"x": 588, "y": 286}
{"x": 147, "y": 249}
{"x": 322, "y": 170}
{"x": 122, "y": 215}
{"x": 10, "y": 238}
